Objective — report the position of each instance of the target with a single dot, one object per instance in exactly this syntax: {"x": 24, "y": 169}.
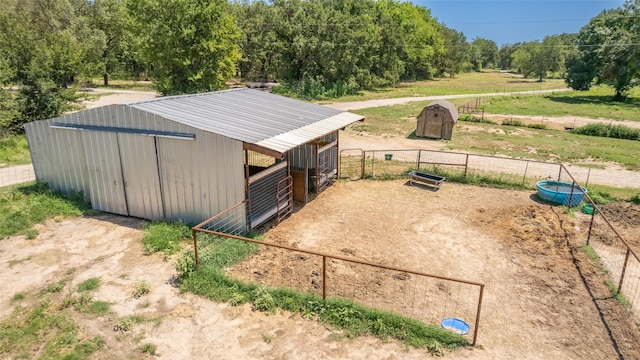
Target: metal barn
{"x": 193, "y": 156}
{"x": 436, "y": 120}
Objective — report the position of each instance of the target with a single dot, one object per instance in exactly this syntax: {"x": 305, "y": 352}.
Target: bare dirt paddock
{"x": 537, "y": 304}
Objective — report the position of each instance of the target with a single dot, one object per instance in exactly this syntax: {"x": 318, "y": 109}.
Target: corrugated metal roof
{"x": 256, "y": 117}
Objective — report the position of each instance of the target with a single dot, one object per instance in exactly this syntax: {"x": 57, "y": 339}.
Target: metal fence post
{"x": 524, "y": 177}
{"x": 466, "y": 165}
{"x": 324, "y": 278}
{"x": 195, "y": 247}
{"x": 475, "y": 328}
{"x": 624, "y": 270}
{"x": 593, "y": 215}
{"x": 588, "y": 175}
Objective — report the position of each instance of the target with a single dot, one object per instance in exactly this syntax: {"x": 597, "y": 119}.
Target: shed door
{"x": 435, "y": 119}
{"x": 141, "y": 177}
{"x": 105, "y": 172}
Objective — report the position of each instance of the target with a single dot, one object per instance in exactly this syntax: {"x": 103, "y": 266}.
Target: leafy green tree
{"x": 457, "y": 51}
{"x": 112, "y": 42}
{"x": 539, "y": 58}
{"x": 484, "y": 53}
{"x": 505, "y": 55}
{"x": 43, "y": 47}
{"x": 190, "y": 46}
{"x": 608, "y": 51}
{"x": 259, "y": 44}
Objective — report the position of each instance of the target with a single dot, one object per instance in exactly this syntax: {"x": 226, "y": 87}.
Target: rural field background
{"x": 544, "y": 296}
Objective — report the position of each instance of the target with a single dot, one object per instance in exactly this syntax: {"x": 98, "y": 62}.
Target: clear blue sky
{"x": 511, "y": 21}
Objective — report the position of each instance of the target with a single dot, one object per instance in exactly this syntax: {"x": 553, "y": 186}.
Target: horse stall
{"x": 269, "y": 188}
{"x": 313, "y": 166}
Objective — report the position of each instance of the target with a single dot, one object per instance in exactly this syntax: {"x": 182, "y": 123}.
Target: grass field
{"x": 537, "y": 144}
{"x": 595, "y": 103}
{"x": 487, "y": 81}
{"x": 14, "y": 150}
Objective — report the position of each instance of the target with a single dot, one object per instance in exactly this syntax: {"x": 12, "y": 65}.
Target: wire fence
{"x": 16, "y": 175}
{"x": 614, "y": 252}
{"x": 417, "y": 295}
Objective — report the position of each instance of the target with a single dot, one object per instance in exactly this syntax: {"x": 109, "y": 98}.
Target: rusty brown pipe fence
{"x": 422, "y": 301}
{"x": 613, "y": 250}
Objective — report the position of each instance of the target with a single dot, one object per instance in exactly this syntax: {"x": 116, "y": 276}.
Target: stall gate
{"x": 270, "y": 194}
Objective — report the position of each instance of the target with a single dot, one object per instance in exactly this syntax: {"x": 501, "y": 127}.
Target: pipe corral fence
{"x": 421, "y": 296}
{"x": 417, "y": 295}
{"x": 613, "y": 250}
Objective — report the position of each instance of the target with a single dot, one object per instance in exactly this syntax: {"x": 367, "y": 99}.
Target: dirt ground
{"x": 536, "y": 304}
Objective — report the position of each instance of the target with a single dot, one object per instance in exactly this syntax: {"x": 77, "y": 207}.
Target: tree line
{"x": 311, "y": 47}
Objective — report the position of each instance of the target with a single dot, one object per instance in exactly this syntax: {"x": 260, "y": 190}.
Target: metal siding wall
{"x": 58, "y": 158}
{"x": 298, "y": 156}
{"x": 105, "y": 172}
{"x": 141, "y": 179}
{"x": 200, "y": 178}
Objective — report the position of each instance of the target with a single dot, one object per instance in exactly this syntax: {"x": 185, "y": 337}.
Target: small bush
{"x": 149, "y": 348}
{"x": 635, "y": 199}
{"x": 165, "y": 236}
{"x": 512, "y": 122}
{"x": 537, "y": 126}
{"x": 142, "y": 288}
{"x": 475, "y": 119}
{"x": 98, "y": 307}
{"x": 17, "y": 297}
{"x": 601, "y": 197}
{"x": 89, "y": 285}
{"x": 57, "y": 287}
{"x": 611, "y": 131}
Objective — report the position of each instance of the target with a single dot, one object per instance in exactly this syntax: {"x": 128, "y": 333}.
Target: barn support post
{"x": 475, "y": 328}
{"x": 247, "y": 190}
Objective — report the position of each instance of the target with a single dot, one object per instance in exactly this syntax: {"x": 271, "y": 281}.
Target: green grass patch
{"x": 595, "y": 103}
{"x": 89, "y": 285}
{"x": 56, "y": 287}
{"x": 23, "y": 206}
{"x": 165, "y": 236}
{"x": 600, "y": 196}
{"x": 211, "y": 281}
{"x": 608, "y": 130}
{"x": 17, "y": 297}
{"x": 128, "y": 322}
{"x": 487, "y": 81}
{"x": 474, "y": 119}
{"x": 149, "y": 349}
{"x": 43, "y": 330}
{"x": 353, "y": 319}
{"x": 142, "y": 288}
{"x": 14, "y": 150}
{"x": 635, "y": 198}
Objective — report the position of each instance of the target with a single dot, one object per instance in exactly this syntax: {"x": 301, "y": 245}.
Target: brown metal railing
{"x": 202, "y": 228}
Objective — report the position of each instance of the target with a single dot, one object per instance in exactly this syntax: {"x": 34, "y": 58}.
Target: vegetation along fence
{"x": 613, "y": 250}
{"x": 420, "y": 296}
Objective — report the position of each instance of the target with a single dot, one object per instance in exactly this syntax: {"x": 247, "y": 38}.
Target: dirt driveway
{"x": 536, "y": 303}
